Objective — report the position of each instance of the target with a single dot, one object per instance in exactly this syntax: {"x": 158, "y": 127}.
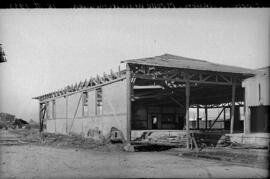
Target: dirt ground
{"x": 30, "y": 160}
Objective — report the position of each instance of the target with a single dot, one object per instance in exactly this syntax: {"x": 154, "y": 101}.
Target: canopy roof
{"x": 173, "y": 61}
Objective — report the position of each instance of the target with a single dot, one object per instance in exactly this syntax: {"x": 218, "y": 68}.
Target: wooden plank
{"x": 224, "y": 117}
{"x": 54, "y": 114}
{"x": 224, "y": 77}
{"x": 187, "y": 111}
{"x": 85, "y": 89}
{"x": 194, "y": 141}
{"x": 233, "y": 106}
{"x": 66, "y": 114}
{"x": 206, "y": 116}
{"x": 42, "y": 110}
{"x": 177, "y": 102}
{"x": 247, "y": 115}
{"x": 43, "y": 116}
{"x": 39, "y": 116}
{"x": 198, "y": 117}
{"x": 128, "y": 86}
{"x": 206, "y": 78}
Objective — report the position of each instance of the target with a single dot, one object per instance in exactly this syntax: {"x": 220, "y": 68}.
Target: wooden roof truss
{"x": 85, "y": 85}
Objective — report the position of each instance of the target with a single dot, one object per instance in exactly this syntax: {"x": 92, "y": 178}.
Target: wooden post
{"x": 247, "y": 115}
{"x": 224, "y": 117}
{"x": 39, "y": 117}
{"x": 198, "y": 117}
{"x": 42, "y": 110}
{"x": 119, "y": 71}
{"x": 128, "y": 81}
{"x": 66, "y": 114}
{"x": 187, "y": 111}
{"x": 233, "y": 106}
{"x": 247, "y": 121}
{"x": 206, "y": 116}
{"x": 53, "y": 113}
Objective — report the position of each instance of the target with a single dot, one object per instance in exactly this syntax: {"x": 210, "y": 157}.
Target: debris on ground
{"x": 8, "y": 138}
{"x": 161, "y": 138}
{"x": 224, "y": 141}
{"x": 129, "y": 148}
{"x": 208, "y": 138}
{"x": 33, "y": 136}
{"x": 236, "y": 145}
{"x": 151, "y": 148}
{"x": 203, "y": 139}
{"x": 243, "y": 156}
{"x": 65, "y": 140}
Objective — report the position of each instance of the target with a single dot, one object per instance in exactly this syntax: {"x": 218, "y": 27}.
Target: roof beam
{"x": 178, "y": 75}
{"x": 151, "y": 77}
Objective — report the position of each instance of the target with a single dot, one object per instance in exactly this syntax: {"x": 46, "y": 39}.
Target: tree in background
{"x": 2, "y": 55}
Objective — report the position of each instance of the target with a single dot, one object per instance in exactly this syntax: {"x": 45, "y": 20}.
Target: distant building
{"x": 257, "y": 101}
{"x": 9, "y": 118}
{"x": 2, "y": 55}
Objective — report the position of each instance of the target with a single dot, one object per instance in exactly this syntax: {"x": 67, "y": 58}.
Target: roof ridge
{"x": 188, "y": 58}
{"x": 184, "y": 58}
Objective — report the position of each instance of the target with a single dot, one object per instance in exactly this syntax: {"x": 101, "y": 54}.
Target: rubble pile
{"x": 79, "y": 142}
{"x": 65, "y": 140}
{"x": 236, "y": 145}
{"x": 207, "y": 138}
{"x": 33, "y": 136}
{"x": 224, "y": 141}
{"x": 162, "y": 138}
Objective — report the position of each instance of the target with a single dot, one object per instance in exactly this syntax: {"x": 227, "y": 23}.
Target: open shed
{"x": 163, "y": 88}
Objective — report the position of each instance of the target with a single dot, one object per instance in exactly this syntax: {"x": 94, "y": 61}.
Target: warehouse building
{"x": 151, "y": 94}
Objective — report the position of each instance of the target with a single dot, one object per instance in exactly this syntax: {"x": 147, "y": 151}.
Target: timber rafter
{"x": 183, "y": 75}
{"x": 223, "y": 105}
{"x": 85, "y": 85}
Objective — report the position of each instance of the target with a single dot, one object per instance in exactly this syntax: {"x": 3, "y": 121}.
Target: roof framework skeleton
{"x": 171, "y": 73}
{"x": 85, "y": 85}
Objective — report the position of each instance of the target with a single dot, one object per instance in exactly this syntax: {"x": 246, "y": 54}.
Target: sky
{"x": 48, "y": 49}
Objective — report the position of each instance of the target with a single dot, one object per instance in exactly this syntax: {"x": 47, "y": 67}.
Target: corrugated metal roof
{"x": 168, "y": 60}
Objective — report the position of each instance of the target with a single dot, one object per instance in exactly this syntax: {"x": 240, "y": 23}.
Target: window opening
{"x": 99, "y": 101}
{"x": 85, "y": 103}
